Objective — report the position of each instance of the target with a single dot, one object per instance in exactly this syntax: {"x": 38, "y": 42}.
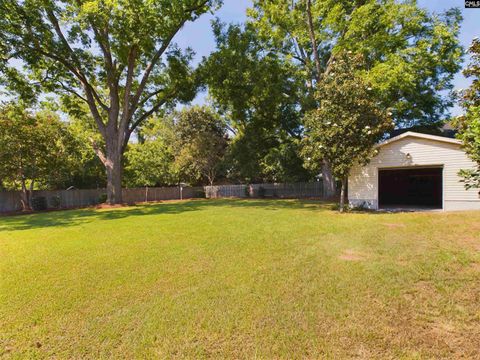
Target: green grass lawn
{"x": 239, "y": 279}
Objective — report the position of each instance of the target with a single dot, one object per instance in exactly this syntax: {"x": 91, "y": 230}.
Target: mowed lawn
{"x": 239, "y": 279}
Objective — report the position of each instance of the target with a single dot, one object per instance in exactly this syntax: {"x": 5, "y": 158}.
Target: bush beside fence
{"x": 65, "y": 199}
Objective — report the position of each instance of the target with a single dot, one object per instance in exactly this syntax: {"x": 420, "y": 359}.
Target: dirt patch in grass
{"x": 420, "y": 324}
{"x": 109, "y": 206}
{"x": 475, "y": 267}
{"x": 471, "y": 242}
{"x": 352, "y": 255}
{"x": 394, "y": 226}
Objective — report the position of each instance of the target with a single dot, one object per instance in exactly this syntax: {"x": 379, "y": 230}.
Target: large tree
{"x": 410, "y": 55}
{"x": 469, "y": 124}
{"x": 348, "y": 121}
{"x": 257, "y": 92}
{"x": 115, "y": 56}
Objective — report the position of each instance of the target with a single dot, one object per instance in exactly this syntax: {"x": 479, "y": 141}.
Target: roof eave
{"x": 420, "y": 136}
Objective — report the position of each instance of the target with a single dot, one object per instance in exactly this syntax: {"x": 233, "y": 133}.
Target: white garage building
{"x": 414, "y": 170}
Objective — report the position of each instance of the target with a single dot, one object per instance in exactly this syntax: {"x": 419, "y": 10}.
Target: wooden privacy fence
{"x": 64, "y": 199}
{"x": 10, "y": 200}
{"x": 280, "y": 190}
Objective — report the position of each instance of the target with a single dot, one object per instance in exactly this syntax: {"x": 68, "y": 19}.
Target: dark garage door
{"x": 410, "y": 187}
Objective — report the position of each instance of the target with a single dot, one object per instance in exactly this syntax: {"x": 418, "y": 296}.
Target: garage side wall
{"x": 363, "y": 181}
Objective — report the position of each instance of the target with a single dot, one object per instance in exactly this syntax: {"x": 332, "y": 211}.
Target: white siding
{"x": 363, "y": 181}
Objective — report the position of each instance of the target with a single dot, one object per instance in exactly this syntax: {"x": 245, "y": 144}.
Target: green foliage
{"x": 200, "y": 143}
{"x": 102, "y": 199}
{"x": 55, "y": 202}
{"x": 258, "y": 93}
{"x": 151, "y": 161}
{"x": 185, "y": 146}
{"x": 411, "y": 55}
{"x": 348, "y": 122}
{"x": 41, "y": 148}
{"x": 116, "y": 57}
{"x": 39, "y": 203}
{"x": 261, "y": 192}
{"x": 282, "y": 163}
{"x": 149, "y": 164}
{"x": 87, "y": 171}
{"x": 33, "y": 147}
{"x": 72, "y": 44}
{"x": 469, "y": 124}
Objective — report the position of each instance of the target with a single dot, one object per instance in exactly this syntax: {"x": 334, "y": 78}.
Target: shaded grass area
{"x": 239, "y": 279}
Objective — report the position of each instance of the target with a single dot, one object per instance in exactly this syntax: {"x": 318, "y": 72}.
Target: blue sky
{"x": 199, "y": 37}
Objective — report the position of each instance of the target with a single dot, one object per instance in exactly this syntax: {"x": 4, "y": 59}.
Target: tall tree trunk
{"x": 30, "y": 194}
{"x": 211, "y": 177}
{"x": 342, "y": 194}
{"x": 113, "y": 167}
{"x": 329, "y": 186}
{"x": 24, "y": 197}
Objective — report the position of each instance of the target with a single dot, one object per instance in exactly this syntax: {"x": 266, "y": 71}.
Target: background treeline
{"x": 194, "y": 145}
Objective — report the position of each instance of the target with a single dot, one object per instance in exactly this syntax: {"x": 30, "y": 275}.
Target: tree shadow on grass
{"x": 78, "y": 217}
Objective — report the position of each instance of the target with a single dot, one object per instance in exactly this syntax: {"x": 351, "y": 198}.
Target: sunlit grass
{"x": 239, "y": 279}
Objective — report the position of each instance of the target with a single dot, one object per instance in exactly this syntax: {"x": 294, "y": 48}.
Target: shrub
{"x": 247, "y": 191}
{"x": 102, "y": 199}
{"x": 39, "y": 203}
{"x": 261, "y": 192}
{"x": 199, "y": 194}
{"x": 55, "y": 202}
{"x": 336, "y": 207}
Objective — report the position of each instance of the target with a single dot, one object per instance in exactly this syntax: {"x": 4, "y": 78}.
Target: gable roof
{"x": 440, "y": 129}
{"x": 420, "y": 136}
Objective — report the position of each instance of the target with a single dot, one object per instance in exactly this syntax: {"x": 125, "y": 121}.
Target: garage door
{"x": 410, "y": 187}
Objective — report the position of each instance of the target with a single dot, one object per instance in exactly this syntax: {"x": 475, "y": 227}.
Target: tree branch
{"x": 145, "y": 115}
{"x": 132, "y": 54}
{"x": 90, "y": 98}
{"x": 152, "y": 64}
{"x": 70, "y": 90}
{"x": 78, "y": 72}
{"x": 313, "y": 40}
{"x": 149, "y": 96}
{"x": 98, "y": 151}
{"x": 160, "y": 52}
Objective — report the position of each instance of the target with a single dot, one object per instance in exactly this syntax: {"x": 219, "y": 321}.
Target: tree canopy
{"x": 150, "y": 162}
{"x": 200, "y": 143}
{"x": 469, "y": 124}
{"x": 114, "y": 56}
{"x": 258, "y": 93}
{"x": 187, "y": 146}
{"x": 264, "y": 74}
{"x": 410, "y": 54}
